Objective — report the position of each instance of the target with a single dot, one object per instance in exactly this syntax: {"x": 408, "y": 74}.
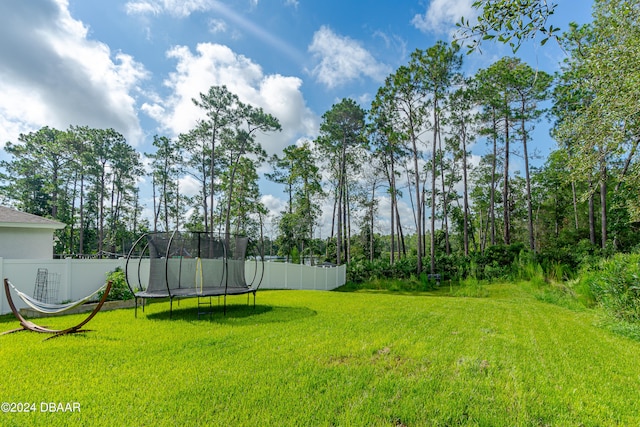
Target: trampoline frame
{"x": 175, "y": 290}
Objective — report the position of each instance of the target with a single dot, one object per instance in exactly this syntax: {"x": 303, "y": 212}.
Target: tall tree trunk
{"x": 81, "y": 231}
{"x": 592, "y": 215}
{"x": 627, "y": 163}
{"x": 445, "y": 196}
{"x": 574, "y": 195}
{"x": 54, "y": 194}
{"x": 165, "y": 197}
{"x": 392, "y": 182}
{"x": 339, "y": 224}
{"x": 432, "y": 269}
{"x": 532, "y": 245}
{"x": 212, "y": 164}
{"x": 156, "y": 204}
{"x": 603, "y": 204}
{"x": 72, "y": 214}
{"x": 465, "y": 203}
{"x": 401, "y": 243}
{"x": 505, "y": 188}
{"x": 208, "y": 216}
{"x": 423, "y": 202}
{"x": 347, "y": 223}
{"x": 494, "y": 167}
{"x": 371, "y": 223}
{"x": 575, "y": 204}
{"x": 177, "y": 206}
{"x": 101, "y": 212}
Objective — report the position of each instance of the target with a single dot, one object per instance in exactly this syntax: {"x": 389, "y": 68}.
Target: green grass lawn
{"x": 310, "y": 358}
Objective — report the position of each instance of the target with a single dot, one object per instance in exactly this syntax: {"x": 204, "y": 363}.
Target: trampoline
{"x": 193, "y": 264}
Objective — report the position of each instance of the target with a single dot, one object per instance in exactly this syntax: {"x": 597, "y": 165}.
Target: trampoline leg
{"x": 225, "y": 304}
{"x": 136, "y": 312}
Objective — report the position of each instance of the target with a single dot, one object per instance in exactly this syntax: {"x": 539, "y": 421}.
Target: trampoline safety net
{"x": 190, "y": 264}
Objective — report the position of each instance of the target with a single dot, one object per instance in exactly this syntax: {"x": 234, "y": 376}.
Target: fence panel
{"x": 80, "y": 277}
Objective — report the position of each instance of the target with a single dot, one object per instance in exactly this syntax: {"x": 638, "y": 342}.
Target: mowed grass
{"x": 309, "y": 358}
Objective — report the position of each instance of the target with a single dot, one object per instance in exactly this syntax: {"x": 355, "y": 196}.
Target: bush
{"x": 454, "y": 267}
{"x": 615, "y": 285}
{"x": 498, "y": 261}
{"x": 119, "y": 289}
{"x": 364, "y": 270}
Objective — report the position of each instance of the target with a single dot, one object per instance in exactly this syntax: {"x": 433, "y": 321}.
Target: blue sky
{"x": 134, "y": 65}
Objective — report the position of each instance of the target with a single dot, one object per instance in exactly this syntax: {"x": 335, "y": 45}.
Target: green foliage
{"x": 508, "y": 21}
{"x": 119, "y": 288}
{"x": 526, "y": 267}
{"x": 364, "y": 270}
{"x": 615, "y": 285}
{"x": 498, "y": 261}
{"x": 453, "y": 267}
{"x": 471, "y": 287}
{"x": 298, "y": 171}
{"x": 295, "y": 255}
{"x": 558, "y": 293}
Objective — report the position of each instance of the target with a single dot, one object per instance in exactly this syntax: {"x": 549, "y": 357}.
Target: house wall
{"x": 26, "y": 243}
{"x": 81, "y": 277}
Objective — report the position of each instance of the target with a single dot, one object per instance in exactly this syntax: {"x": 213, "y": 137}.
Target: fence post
{"x": 2, "y": 279}
{"x": 67, "y": 278}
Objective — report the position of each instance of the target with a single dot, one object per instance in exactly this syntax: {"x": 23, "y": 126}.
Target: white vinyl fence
{"x": 81, "y": 277}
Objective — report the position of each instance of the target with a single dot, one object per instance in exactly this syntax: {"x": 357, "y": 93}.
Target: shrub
{"x": 454, "y": 267}
{"x": 119, "y": 288}
{"x": 527, "y": 267}
{"x": 615, "y": 285}
{"x": 497, "y": 262}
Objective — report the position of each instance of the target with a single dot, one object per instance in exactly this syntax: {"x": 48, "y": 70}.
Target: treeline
{"x": 411, "y": 147}
{"x": 86, "y": 178}
{"x": 89, "y": 178}
{"x": 422, "y": 122}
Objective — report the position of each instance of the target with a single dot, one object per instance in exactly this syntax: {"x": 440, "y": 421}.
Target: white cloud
{"x": 342, "y": 59}
{"x": 184, "y": 8}
{"x": 179, "y": 8}
{"x": 442, "y": 15}
{"x": 393, "y": 42}
{"x": 217, "y": 65}
{"x": 383, "y": 218}
{"x": 189, "y": 186}
{"x": 142, "y": 8}
{"x": 274, "y": 204}
{"x": 52, "y": 74}
{"x": 217, "y": 26}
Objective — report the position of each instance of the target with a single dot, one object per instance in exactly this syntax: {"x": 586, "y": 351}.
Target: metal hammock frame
{"x": 47, "y": 308}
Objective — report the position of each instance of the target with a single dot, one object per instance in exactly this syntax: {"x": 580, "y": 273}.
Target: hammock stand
{"x": 51, "y": 309}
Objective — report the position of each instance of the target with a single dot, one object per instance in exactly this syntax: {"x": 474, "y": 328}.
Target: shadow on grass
{"x": 7, "y": 318}
{"x": 236, "y": 314}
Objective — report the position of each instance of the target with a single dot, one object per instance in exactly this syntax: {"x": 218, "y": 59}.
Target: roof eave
{"x": 51, "y": 226}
